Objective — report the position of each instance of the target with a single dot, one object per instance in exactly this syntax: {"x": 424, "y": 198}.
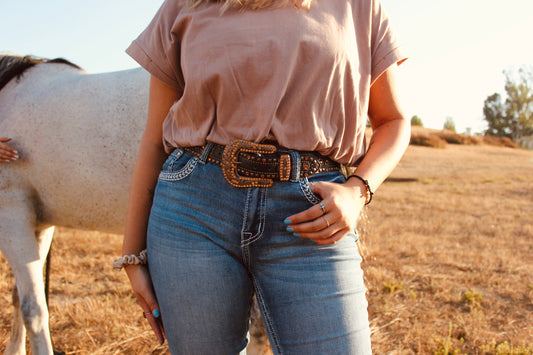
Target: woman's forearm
{"x": 392, "y": 132}
{"x": 148, "y": 166}
{"x": 387, "y": 146}
{"x": 149, "y": 161}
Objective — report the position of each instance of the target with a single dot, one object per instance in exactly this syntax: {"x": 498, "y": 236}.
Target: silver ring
{"x": 323, "y": 208}
{"x": 327, "y": 222}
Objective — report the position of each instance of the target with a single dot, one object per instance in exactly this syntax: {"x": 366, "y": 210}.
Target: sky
{"x": 458, "y": 49}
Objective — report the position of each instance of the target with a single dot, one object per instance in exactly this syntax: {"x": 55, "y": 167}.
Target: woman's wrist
{"x": 130, "y": 259}
{"x": 367, "y": 192}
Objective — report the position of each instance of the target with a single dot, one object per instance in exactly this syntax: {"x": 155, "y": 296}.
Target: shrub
{"x": 500, "y": 141}
{"x": 451, "y": 137}
{"x": 439, "y": 138}
{"x": 507, "y": 349}
{"x": 472, "y": 298}
{"x": 424, "y": 138}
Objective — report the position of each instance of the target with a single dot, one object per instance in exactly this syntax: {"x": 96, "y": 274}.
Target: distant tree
{"x": 416, "y": 121}
{"x": 449, "y": 124}
{"x": 499, "y": 124}
{"x": 514, "y": 117}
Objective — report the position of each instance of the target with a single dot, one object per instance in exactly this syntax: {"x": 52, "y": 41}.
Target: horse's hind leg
{"x": 17, "y": 338}
{"x": 25, "y": 252}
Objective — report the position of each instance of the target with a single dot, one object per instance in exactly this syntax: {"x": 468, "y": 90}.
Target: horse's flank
{"x": 77, "y": 135}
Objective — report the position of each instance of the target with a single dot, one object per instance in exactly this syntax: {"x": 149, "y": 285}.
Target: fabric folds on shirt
{"x": 301, "y": 78}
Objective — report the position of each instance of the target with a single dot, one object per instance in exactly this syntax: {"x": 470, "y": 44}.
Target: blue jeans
{"x": 211, "y": 246}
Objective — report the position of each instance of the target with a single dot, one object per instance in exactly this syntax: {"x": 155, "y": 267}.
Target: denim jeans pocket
{"x": 307, "y": 191}
{"x": 178, "y": 166}
{"x": 305, "y": 187}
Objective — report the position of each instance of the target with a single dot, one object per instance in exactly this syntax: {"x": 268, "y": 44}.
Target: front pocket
{"x": 178, "y": 167}
{"x": 312, "y": 197}
{"x": 305, "y": 184}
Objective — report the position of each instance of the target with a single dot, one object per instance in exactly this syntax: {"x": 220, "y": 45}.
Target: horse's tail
{"x": 14, "y": 66}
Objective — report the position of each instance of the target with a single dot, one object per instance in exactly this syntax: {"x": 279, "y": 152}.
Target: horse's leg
{"x": 45, "y": 238}
{"x": 17, "y": 338}
{"x": 25, "y": 252}
{"x": 259, "y": 344}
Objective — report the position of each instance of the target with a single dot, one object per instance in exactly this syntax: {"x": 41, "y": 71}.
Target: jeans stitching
{"x": 181, "y": 174}
{"x": 274, "y": 344}
{"x": 308, "y": 192}
{"x": 245, "y": 235}
{"x": 249, "y": 239}
{"x": 172, "y": 159}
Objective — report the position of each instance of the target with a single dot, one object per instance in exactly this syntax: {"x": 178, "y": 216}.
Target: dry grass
{"x": 457, "y": 238}
{"x": 447, "y": 258}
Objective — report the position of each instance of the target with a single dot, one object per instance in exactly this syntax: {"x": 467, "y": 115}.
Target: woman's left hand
{"x": 334, "y": 217}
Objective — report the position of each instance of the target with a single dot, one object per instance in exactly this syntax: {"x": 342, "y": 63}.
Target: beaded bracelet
{"x": 367, "y": 185}
{"x": 130, "y": 260}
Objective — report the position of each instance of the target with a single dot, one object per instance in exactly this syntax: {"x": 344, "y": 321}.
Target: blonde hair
{"x": 254, "y": 4}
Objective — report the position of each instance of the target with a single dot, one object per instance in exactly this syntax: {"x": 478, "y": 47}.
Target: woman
{"x": 7, "y": 153}
{"x": 258, "y": 103}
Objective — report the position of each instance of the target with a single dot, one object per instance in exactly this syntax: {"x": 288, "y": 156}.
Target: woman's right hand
{"x": 141, "y": 284}
{"x": 6, "y": 152}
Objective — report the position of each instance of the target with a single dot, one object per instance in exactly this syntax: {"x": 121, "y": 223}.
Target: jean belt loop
{"x": 295, "y": 166}
{"x": 205, "y": 153}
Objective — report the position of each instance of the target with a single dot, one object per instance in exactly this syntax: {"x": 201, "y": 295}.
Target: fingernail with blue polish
{"x": 289, "y": 229}
{"x": 287, "y": 221}
{"x": 156, "y": 313}
{"x": 296, "y": 234}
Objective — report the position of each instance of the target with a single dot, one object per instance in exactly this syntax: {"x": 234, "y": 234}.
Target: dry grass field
{"x": 448, "y": 247}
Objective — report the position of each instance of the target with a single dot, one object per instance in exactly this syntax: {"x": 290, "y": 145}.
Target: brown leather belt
{"x": 248, "y": 164}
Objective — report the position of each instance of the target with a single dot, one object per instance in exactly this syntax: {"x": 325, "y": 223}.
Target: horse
{"x": 77, "y": 135}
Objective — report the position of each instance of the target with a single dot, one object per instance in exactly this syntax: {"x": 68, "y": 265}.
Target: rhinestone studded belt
{"x": 248, "y": 164}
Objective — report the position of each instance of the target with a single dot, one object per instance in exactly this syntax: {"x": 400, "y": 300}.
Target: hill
{"x": 440, "y": 138}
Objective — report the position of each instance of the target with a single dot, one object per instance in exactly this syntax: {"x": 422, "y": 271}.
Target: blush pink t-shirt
{"x": 301, "y": 78}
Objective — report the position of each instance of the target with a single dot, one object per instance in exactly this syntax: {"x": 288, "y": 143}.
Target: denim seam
{"x": 176, "y": 154}
{"x": 245, "y": 253}
{"x": 308, "y": 192}
{"x": 181, "y": 174}
{"x": 245, "y": 220}
{"x": 249, "y": 239}
{"x": 267, "y": 319}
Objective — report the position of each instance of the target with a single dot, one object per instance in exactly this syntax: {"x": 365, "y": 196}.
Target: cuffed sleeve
{"x": 158, "y": 49}
{"x": 385, "y": 48}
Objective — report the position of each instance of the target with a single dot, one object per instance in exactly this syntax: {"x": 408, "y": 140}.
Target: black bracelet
{"x": 367, "y": 185}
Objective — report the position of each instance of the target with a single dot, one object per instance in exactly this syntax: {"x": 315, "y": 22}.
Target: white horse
{"x": 77, "y": 135}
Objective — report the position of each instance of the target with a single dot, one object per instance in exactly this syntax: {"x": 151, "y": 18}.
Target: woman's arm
{"x": 148, "y": 166}
{"x": 149, "y": 162}
{"x": 343, "y": 202}
{"x": 6, "y": 152}
{"x": 391, "y": 131}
